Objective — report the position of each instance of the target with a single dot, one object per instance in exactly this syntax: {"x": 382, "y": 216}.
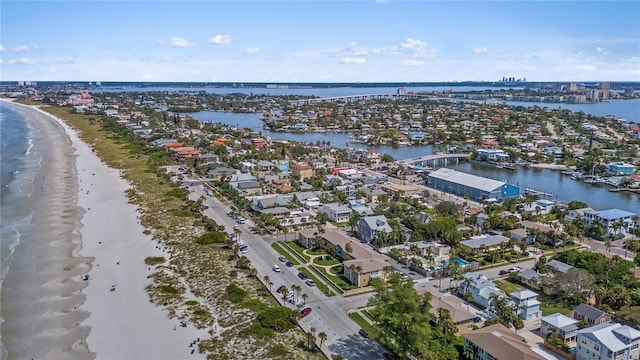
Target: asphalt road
{"x": 328, "y": 315}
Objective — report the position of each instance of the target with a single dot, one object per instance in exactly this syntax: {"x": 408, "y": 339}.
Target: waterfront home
{"x": 614, "y": 221}
{"x": 526, "y": 304}
{"x": 590, "y": 315}
{"x": 369, "y": 226}
{"x": 608, "y": 341}
{"x": 561, "y": 325}
{"x": 540, "y": 206}
{"x": 497, "y": 342}
{"x": 474, "y": 187}
{"x": 337, "y": 213}
{"x": 491, "y": 155}
{"x": 620, "y": 168}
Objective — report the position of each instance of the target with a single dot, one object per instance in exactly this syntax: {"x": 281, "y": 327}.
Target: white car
{"x": 276, "y": 268}
{"x": 310, "y": 283}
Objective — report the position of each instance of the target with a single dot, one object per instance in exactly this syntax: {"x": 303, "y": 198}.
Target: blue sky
{"x": 319, "y": 41}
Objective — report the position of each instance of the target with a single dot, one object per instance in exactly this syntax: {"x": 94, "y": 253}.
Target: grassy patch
{"x": 311, "y": 275}
{"x": 339, "y": 281}
{"x": 508, "y": 287}
{"x": 278, "y": 247}
{"x": 328, "y": 261}
{"x": 362, "y": 322}
{"x": 154, "y": 260}
{"x": 549, "y": 306}
{"x": 298, "y": 249}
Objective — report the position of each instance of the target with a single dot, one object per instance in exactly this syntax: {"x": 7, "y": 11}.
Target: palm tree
{"x": 607, "y": 245}
{"x": 323, "y": 337}
{"x": 285, "y": 291}
{"x": 305, "y": 296}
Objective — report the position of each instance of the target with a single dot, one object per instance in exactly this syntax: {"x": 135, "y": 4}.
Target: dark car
{"x": 302, "y": 275}
{"x": 363, "y": 333}
{"x": 289, "y": 264}
{"x": 504, "y": 272}
{"x": 305, "y": 312}
{"x": 281, "y": 288}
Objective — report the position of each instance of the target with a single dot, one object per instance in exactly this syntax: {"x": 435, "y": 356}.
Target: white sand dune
{"x": 122, "y": 324}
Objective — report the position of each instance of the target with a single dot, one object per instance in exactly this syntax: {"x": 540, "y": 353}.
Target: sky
{"x": 319, "y": 41}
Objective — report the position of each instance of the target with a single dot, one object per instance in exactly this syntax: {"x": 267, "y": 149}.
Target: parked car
{"x": 363, "y": 333}
{"x": 310, "y": 282}
{"x": 281, "y": 288}
{"x": 276, "y": 268}
{"x": 503, "y": 272}
{"x": 515, "y": 269}
{"x": 289, "y": 264}
{"x": 306, "y": 311}
{"x": 282, "y": 258}
{"x": 302, "y": 275}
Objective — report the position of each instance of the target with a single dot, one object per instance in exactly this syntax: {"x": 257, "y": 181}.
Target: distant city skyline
{"x": 313, "y": 41}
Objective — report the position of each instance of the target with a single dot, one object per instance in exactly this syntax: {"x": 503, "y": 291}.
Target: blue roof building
{"x": 620, "y": 168}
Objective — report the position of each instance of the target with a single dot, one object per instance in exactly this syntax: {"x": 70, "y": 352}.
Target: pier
{"x": 350, "y": 98}
{"x": 542, "y": 194}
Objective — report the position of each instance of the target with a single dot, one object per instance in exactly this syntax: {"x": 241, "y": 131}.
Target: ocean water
{"x": 19, "y": 163}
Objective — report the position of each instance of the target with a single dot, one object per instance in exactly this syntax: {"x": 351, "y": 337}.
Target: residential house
{"x": 268, "y": 201}
{"x": 282, "y": 185}
{"x": 361, "y": 271}
{"x": 337, "y": 213}
{"x": 590, "y": 314}
{"x": 463, "y": 319}
{"x": 480, "y": 289}
{"x": 303, "y": 171}
{"x": 402, "y": 190}
{"x": 372, "y": 194}
{"x": 532, "y": 279}
{"x": 620, "y": 168}
{"x": 369, "y": 226}
{"x": 607, "y": 218}
{"x": 434, "y": 248}
{"x": 526, "y": 304}
{"x": 490, "y": 242}
{"x": 608, "y": 341}
{"x": 561, "y": 325}
{"x": 245, "y": 188}
{"x": 540, "y": 206}
{"x": 559, "y": 266}
{"x": 497, "y": 342}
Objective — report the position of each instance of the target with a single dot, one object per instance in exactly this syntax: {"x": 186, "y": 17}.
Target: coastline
{"x": 98, "y": 233}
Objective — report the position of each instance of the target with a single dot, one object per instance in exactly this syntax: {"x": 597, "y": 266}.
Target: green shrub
{"x": 191, "y": 303}
{"x": 168, "y": 289}
{"x": 235, "y": 294}
{"x": 211, "y": 237}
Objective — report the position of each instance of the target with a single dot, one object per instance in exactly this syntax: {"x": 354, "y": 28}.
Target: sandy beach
{"x": 84, "y": 224}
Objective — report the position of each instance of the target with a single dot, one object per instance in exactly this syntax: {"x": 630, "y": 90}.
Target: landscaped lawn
{"x": 299, "y": 249}
{"x": 283, "y": 252}
{"x": 338, "y": 280}
{"x": 362, "y": 322}
{"x": 311, "y": 275}
{"x": 549, "y": 306}
{"x": 329, "y": 261}
{"x": 508, "y": 287}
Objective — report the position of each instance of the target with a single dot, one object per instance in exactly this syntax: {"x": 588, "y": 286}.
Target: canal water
{"x": 561, "y": 186}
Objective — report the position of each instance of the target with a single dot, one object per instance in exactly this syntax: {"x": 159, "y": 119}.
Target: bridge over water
{"x": 349, "y": 98}
{"x": 436, "y": 159}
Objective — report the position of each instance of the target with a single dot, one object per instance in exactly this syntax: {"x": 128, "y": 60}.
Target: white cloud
{"x": 67, "y": 60}
{"x": 160, "y": 42}
{"x": 25, "y": 48}
{"x": 352, "y": 60}
{"x": 1, "y": 48}
{"x": 1, "y": 62}
{"x": 252, "y": 51}
{"x": 413, "y": 63}
{"x": 21, "y": 61}
{"x": 601, "y": 51}
{"x": 180, "y": 42}
{"x": 479, "y": 50}
{"x": 220, "y": 40}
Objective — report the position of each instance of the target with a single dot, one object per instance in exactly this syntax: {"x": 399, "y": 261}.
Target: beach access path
{"x": 124, "y": 323}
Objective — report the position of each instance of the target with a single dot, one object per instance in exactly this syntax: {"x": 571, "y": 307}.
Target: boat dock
{"x": 542, "y": 194}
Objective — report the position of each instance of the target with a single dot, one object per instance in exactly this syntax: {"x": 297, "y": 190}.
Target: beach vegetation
{"x": 169, "y": 289}
{"x": 211, "y": 237}
{"x": 191, "y": 302}
{"x": 154, "y": 260}
{"x": 234, "y": 293}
